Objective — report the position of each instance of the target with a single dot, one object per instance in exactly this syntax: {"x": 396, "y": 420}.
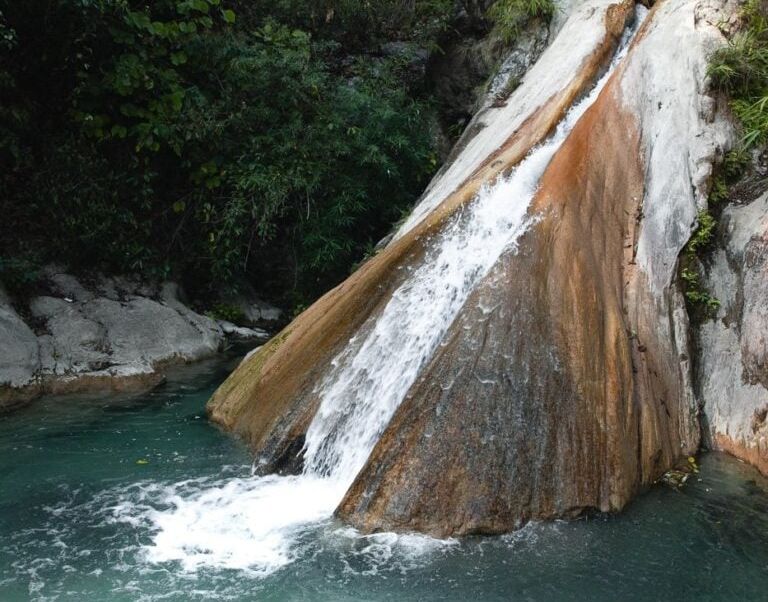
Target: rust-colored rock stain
{"x": 558, "y": 400}
{"x": 269, "y": 399}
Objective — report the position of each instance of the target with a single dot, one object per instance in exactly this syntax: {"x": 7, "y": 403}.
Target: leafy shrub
{"x": 230, "y": 313}
{"x": 741, "y": 70}
{"x": 18, "y": 274}
{"x": 510, "y": 16}
{"x": 216, "y": 140}
{"x": 695, "y": 294}
{"x": 704, "y": 234}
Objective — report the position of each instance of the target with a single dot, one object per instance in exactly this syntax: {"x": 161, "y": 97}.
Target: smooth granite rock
{"x": 114, "y": 333}
{"x": 732, "y": 374}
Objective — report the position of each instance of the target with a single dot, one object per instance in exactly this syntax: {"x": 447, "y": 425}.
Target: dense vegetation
{"x": 739, "y": 70}
{"x": 215, "y": 141}
{"x": 511, "y": 16}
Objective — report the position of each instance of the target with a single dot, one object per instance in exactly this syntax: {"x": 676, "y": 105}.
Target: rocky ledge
{"x": 112, "y": 334}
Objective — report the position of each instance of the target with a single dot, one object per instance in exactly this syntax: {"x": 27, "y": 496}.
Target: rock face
{"x": 464, "y": 68}
{"x": 579, "y": 390}
{"x": 19, "y": 355}
{"x": 565, "y": 384}
{"x": 114, "y": 334}
{"x": 269, "y": 400}
{"x": 733, "y": 357}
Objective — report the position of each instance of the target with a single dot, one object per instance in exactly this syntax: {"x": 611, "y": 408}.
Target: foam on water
{"x": 258, "y": 523}
{"x": 208, "y": 529}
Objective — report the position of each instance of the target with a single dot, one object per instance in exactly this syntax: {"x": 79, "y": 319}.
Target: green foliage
{"x": 230, "y": 313}
{"x": 734, "y": 164}
{"x": 695, "y": 294}
{"x": 216, "y": 140}
{"x": 741, "y": 70}
{"x": 753, "y": 115}
{"x": 138, "y": 93}
{"x": 340, "y": 156}
{"x": 704, "y": 234}
{"x": 18, "y": 274}
{"x": 510, "y": 16}
{"x": 701, "y": 304}
{"x": 358, "y": 25}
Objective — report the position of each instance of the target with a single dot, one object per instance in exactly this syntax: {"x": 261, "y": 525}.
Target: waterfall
{"x": 257, "y": 523}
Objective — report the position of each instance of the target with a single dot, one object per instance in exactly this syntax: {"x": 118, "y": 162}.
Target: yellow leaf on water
{"x": 142, "y": 461}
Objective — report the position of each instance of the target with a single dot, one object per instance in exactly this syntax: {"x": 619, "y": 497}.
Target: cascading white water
{"x": 255, "y": 523}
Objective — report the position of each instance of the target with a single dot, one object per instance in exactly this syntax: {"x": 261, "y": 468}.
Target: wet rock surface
{"x": 562, "y": 386}
{"x": 566, "y": 383}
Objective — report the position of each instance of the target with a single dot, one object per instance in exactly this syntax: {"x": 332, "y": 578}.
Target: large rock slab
{"x": 573, "y": 392}
{"x": 271, "y": 398}
{"x": 114, "y": 333}
{"x": 565, "y": 384}
{"x": 733, "y": 348}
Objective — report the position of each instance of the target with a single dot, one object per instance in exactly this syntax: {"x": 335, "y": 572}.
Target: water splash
{"x": 369, "y": 379}
{"x": 257, "y": 524}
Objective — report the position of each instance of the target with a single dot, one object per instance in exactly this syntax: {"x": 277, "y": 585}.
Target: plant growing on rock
{"x": 510, "y": 16}
{"x": 741, "y": 70}
{"x": 701, "y": 303}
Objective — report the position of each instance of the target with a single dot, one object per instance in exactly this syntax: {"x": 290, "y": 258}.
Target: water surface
{"x": 84, "y": 481}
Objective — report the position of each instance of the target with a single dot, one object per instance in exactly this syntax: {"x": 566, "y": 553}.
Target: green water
{"x": 74, "y": 508}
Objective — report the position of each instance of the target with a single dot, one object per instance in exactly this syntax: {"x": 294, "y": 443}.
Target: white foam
{"x": 241, "y": 523}
{"x": 580, "y": 35}
{"x": 257, "y": 524}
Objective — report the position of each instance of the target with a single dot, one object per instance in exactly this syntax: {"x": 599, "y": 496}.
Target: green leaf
{"x": 178, "y": 58}
{"x": 228, "y": 15}
{"x": 119, "y": 131}
{"x": 200, "y": 5}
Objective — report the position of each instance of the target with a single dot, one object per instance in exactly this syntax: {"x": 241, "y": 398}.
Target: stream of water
{"x": 257, "y": 523}
{"x": 140, "y": 498}
{"x": 81, "y": 477}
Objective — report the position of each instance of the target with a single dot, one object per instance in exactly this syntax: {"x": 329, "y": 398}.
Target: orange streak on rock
{"x": 559, "y": 400}
{"x": 268, "y": 400}
{"x": 755, "y": 454}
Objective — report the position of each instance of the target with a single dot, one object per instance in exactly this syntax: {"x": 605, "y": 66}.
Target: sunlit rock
{"x": 563, "y": 382}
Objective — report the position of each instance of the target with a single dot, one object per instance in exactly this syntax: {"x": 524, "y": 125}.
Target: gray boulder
{"x": 115, "y": 333}
{"x": 733, "y": 348}
{"x": 19, "y": 357}
{"x": 255, "y": 311}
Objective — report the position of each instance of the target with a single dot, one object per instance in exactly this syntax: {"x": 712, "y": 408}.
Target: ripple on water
{"x": 83, "y": 527}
